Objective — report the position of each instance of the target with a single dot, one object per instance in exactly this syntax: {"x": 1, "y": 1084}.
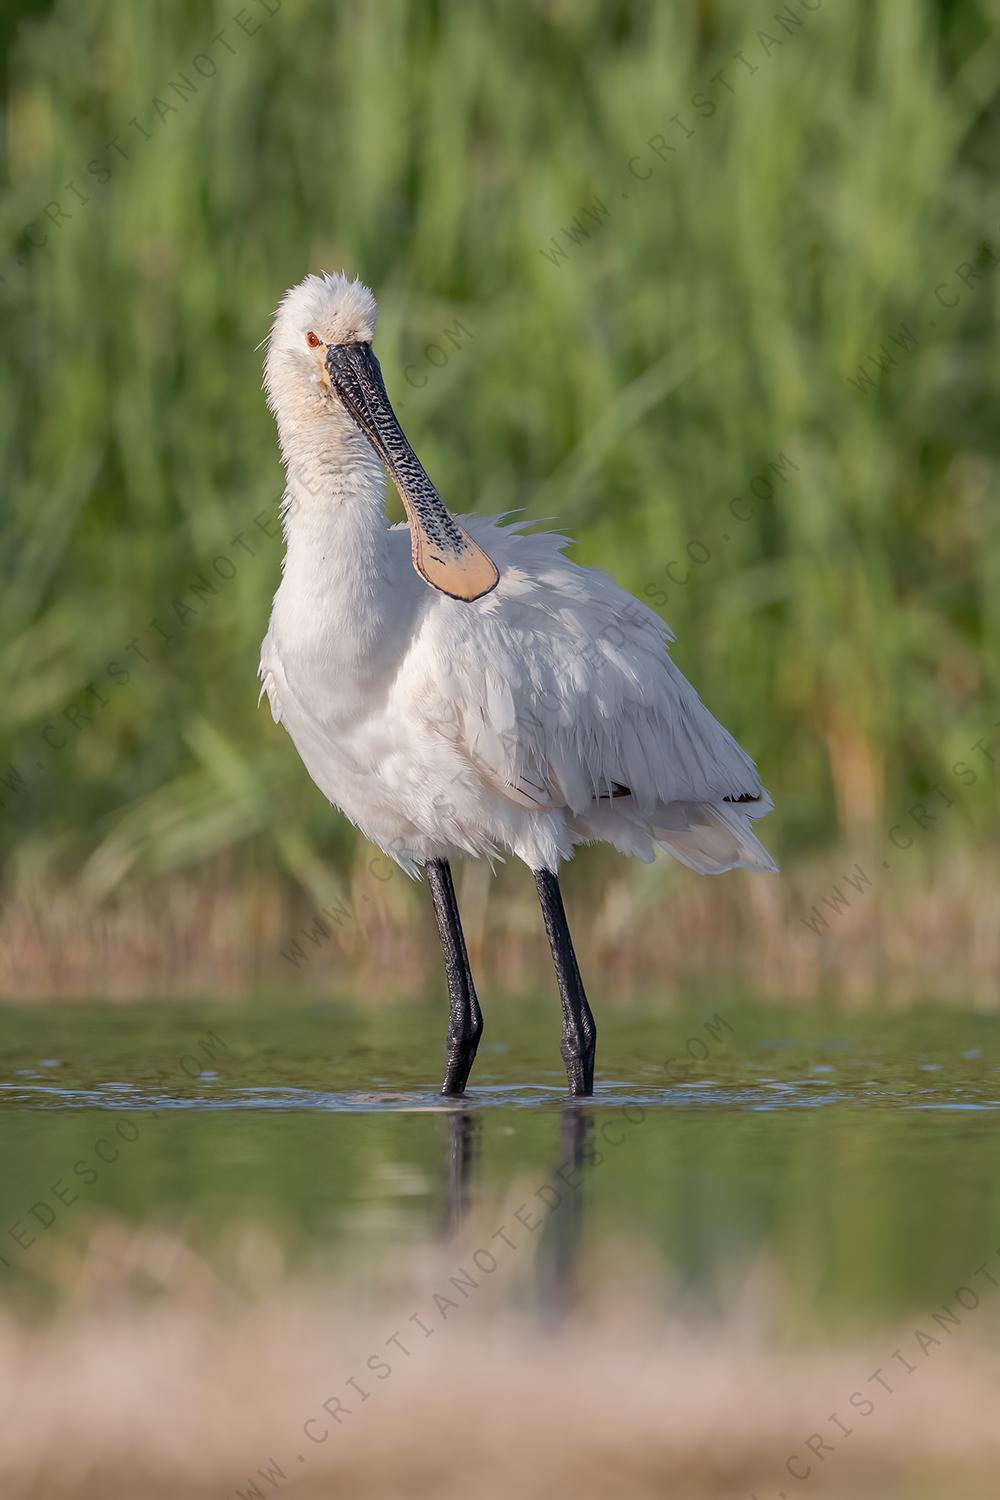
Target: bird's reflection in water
{"x": 563, "y": 1229}
{"x": 464, "y": 1131}
{"x": 563, "y": 1190}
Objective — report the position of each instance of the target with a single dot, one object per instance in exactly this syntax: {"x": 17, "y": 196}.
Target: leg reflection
{"x": 463, "y": 1154}
{"x": 559, "y": 1250}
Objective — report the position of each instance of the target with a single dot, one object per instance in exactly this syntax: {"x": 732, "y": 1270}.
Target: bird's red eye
{"x": 313, "y": 340}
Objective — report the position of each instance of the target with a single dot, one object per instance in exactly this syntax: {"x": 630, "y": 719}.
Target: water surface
{"x": 857, "y": 1155}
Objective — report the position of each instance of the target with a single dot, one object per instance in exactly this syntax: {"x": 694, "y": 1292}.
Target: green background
{"x": 635, "y": 267}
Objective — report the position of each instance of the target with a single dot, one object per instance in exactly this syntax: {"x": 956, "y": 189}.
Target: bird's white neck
{"x": 336, "y": 534}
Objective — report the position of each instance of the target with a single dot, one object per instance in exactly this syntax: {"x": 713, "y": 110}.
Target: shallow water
{"x": 856, "y": 1155}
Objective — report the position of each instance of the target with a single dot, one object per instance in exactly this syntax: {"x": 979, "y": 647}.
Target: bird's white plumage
{"x": 546, "y": 714}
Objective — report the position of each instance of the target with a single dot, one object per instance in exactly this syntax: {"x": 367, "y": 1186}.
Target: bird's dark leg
{"x": 465, "y": 1024}
{"x": 579, "y": 1035}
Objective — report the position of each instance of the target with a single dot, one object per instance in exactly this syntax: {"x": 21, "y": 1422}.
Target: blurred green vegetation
{"x": 748, "y": 230}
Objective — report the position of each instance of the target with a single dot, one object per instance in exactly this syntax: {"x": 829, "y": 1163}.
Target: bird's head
{"x": 320, "y": 365}
{"x": 321, "y": 313}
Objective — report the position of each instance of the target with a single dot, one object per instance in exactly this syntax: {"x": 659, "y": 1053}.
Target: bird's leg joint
{"x": 578, "y": 1041}
{"x": 465, "y": 1029}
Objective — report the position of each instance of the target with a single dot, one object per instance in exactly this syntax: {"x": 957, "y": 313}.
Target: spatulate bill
{"x": 443, "y": 553}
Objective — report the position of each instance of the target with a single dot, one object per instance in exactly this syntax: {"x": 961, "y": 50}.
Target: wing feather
{"x": 560, "y": 686}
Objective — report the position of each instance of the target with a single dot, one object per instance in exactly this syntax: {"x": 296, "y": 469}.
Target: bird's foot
{"x": 580, "y": 1074}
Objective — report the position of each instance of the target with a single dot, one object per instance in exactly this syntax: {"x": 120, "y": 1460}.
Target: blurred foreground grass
{"x": 160, "y": 1376}
{"x": 729, "y": 318}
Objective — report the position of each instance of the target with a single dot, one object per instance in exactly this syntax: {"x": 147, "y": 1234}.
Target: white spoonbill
{"x": 459, "y": 687}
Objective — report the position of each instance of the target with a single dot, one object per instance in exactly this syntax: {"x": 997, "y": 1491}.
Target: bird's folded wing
{"x": 504, "y": 745}
{"x": 562, "y": 692}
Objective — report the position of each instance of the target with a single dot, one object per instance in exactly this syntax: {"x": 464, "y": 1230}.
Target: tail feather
{"x": 713, "y": 837}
